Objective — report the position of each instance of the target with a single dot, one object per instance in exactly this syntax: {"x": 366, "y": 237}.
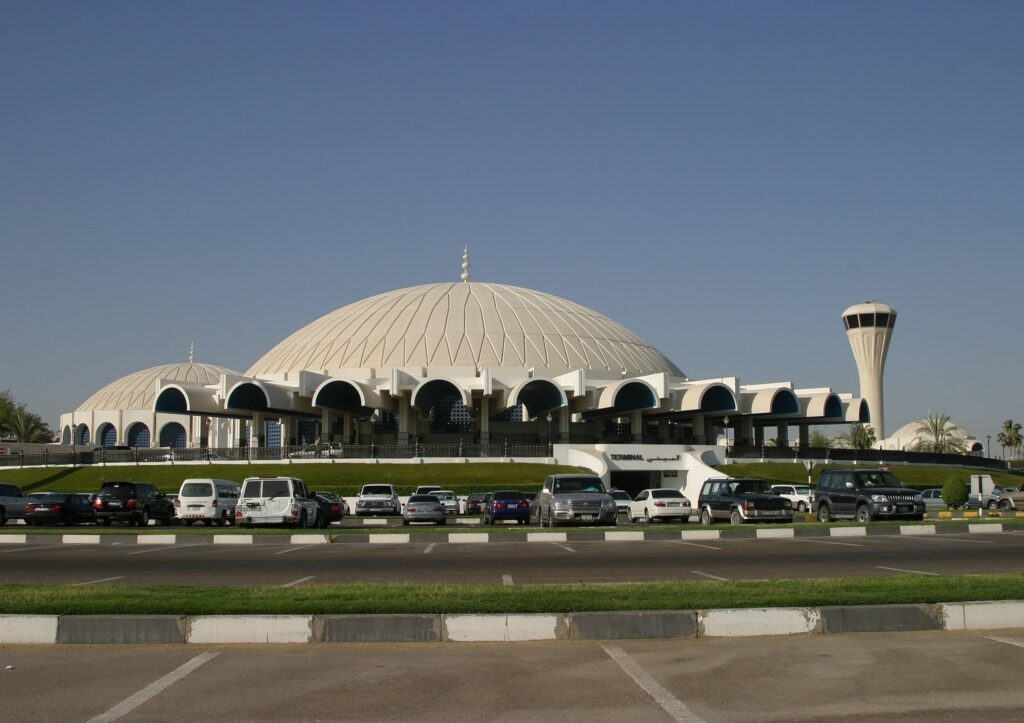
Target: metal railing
{"x": 858, "y": 456}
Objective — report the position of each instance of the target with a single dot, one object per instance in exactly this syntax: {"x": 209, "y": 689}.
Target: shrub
{"x": 954, "y": 491}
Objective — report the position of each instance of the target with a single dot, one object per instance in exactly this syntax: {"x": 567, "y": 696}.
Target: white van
{"x": 278, "y": 501}
{"x": 210, "y": 500}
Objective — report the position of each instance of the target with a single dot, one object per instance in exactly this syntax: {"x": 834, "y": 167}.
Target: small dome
{"x": 138, "y": 390}
{"x": 465, "y": 324}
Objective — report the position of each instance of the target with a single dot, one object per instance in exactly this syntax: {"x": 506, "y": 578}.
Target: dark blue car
{"x": 506, "y": 505}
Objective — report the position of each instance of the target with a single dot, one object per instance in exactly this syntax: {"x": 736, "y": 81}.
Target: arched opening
{"x": 138, "y": 435}
{"x": 65, "y": 437}
{"x": 833, "y": 406}
{"x": 172, "y": 401}
{"x": 82, "y": 435}
{"x": 343, "y": 395}
{"x": 107, "y": 435}
{"x": 537, "y": 396}
{"x": 717, "y": 398}
{"x": 784, "y": 402}
{"x": 247, "y": 395}
{"x": 173, "y": 435}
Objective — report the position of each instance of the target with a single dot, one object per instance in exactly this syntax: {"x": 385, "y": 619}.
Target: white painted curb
{"x": 28, "y": 629}
{"x": 217, "y": 629}
{"x": 499, "y": 628}
{"x": 232, "y": 539}
{"x": 701, "y": 535}
{"x": 848, "y": 532}
{"x": 983, "y": 528}
{"x": 624, "y": 536}
{"x": 377, "y": 523}
{"x": 456, "y": 538}
{"x": 80, "y": 539}
{"x": 758, "y": 621}
{"x": 308, "y": 539}
{"x": 983, "y": 615}
{"x": 156, "y": 539}
{"x": 776, "y": 533}
{"x": 389, "y": 539}
{"x": 13, "y": 539}
{"x": 917, "y": 529}
{"x": 467, "y": 521}
{"x": 546, "y": 537}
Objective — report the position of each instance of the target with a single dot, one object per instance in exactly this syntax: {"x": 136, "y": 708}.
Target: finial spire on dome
{"x": 192, "y": 353}
{"x": 465, "y": 263}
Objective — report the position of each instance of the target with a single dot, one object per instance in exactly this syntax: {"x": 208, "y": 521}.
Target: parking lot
{"x": 867, "y": 677}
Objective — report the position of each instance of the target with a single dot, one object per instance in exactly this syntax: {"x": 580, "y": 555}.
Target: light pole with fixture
{"x": 725, "y": 421}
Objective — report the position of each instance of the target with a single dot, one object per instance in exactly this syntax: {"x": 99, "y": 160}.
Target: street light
{"x": 551, "y": 447}
{"x": 725, "y": 421}
{"x": 988, "y": 445}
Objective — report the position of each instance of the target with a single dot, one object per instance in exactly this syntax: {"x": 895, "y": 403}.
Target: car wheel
{"x": 302, "y": 519}
{"x": 801, "y": 507}
{"x": 991, "y": 504}
{"x": 647, "y": 517}
{"x": 1005, "y": 506}
{"x": 706, "y": 518}
{"x": 144, "y": 520}
{"x": 863, "y": 514}
{"x": 735, "y": 517}
{"x": 824, "y": 514}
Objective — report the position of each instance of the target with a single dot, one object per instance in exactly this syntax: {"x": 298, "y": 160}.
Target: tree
{"x": 1010, "y": 436}
{"x": 939, "y": 435}
{"x": 860, "y": 436}
{"x": 819, "y": 440}
{"x": 26, "y": 426}
{"x": 954, "y": 492}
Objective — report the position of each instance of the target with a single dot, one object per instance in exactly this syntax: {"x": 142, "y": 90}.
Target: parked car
{"x": 317, "y": 451}
{"x": 332, "y": 507}
{"x": 622, "y": 500}
{"x": 864, "y": 495}
{"x": 933, "y": 501}
{"x": 378, "y": 499}
{"x": 1011, "y": 499}
{"x": 660, "y": 504}
{"x": 449, "y": 500}
{"x": 574, "y": 499}
{"x": 506, "y": 505}
{"x": 740, "y": 500}
{"x": 277, "y": 501}
{"x": 424, "y": 508}
{"x": 133, "y": 502}
{"x": 473, "y": 503}
{"x": 12, "y": 503}
{"x": 59, "y": 508}
{"x": 426, "y": 489}
{"x": 799, "y": 495}
{"x": 207, "y": 500}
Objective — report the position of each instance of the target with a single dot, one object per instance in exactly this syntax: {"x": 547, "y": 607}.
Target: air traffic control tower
{"x": 869, "y": 328}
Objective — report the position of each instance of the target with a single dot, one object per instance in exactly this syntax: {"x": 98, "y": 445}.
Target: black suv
{"x": 132, "y": 502}
{"x": 742, "y": 499}
{"x": 865, "y": 495}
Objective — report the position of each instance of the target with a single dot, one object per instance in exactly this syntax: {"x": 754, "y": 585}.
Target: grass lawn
{"x": 911, "y": 475}
{"x": 365, "y": 598}
{"x": 343, "y": 479}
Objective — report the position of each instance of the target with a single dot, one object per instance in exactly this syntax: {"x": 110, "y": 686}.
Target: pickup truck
{"x": 12, "y": 503}
{"x": 574, "y": 499}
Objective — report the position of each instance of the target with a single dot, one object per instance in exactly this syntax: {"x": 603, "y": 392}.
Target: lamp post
{"x": 551, "y": 447}
{"x": 725, "y": 421}
{"x": 988, "y": 445}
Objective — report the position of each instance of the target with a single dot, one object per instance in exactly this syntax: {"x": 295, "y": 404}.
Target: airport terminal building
{"x": 462, "y": 363}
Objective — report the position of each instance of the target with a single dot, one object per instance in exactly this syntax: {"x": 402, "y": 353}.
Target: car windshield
{"x": 275, "y": 488}
{"x": 44, "y": 499}
{"x": 509, "y": 496}
{"x": 803, "y": 490}
{"x": 197, "y": 489}
{"x": 665, "y": 494}
{"x": 444, "y": 495}
{"x": 751, "y": 487}
{"x": 621, "y": 495}
{"x": 376, "y": 490}
{"x": 877, "y": 479}
{"x": 424, "y": 498}
{"x": 330, "y": 496}
{"x": 117, "y": 489}
{"x": 578, "y": 484}
{"x": 476, "y": 496}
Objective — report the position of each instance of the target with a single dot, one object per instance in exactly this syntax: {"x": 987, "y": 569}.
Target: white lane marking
{"x": 26, "y": 548}
{"x": 564, "y": 547}
{"x": 429, "y": 548}
{"x": 708, "y": 575}
{"x": 825, "y": 542}
{"x": 945, "y": 538}
{"x": 506, "y": 580}
{"x": 1005, "y": 640}
{"x": 93, "y": 582}
{"x": 293, "y": 549}
{"x": 170, "y": 547}
{"x": 132, "y": 702}
{"x": 693, "y": 544}
{"x": 301, "y": 580}
{"x": 900, "y": 569}
{"x": 668, "y": 702}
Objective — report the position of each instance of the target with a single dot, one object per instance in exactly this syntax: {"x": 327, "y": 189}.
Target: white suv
{"x": 209, "y": 500}
{"x": 277, "y": 501}
{"x": 378, "y": 499}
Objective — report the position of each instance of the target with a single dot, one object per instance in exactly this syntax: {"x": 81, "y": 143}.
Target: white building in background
{"x": 468, "y": 362}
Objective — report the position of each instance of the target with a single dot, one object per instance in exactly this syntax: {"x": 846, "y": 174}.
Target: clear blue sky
{"x": 722, "y": 178}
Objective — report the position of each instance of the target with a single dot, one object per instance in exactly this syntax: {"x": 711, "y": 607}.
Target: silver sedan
{"x": 424, "y": 508}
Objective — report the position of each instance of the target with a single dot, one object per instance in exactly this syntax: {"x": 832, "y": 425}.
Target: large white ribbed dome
{"x": 138, "y": 390}
{"x": 465, "y": 324}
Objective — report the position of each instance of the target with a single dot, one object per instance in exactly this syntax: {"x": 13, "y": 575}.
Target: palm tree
{"x": 860, "y": 436}
{"x": 819, "y": 440}
{"x": 26, "y": 426}
{"x": 1010, "y": 436}
{"x": 939, "y": 435}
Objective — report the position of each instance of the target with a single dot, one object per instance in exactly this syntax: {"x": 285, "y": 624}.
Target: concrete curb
{"x": 515, "y": 534}
{"x": 430, "y": 628}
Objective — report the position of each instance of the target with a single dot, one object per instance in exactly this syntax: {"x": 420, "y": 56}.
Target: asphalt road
{"x": 867, "y": 678}
{"x": 511, "y": 562}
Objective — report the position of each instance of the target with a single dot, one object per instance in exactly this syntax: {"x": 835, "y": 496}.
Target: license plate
{"x": 42, "y": 509}
{"x": 113, "y": 504}
{"x": 673, "y": 504}
{"x": 906, "y": 508}
{"x": 586, "y": 518}
{"x": 195, "y": 507}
